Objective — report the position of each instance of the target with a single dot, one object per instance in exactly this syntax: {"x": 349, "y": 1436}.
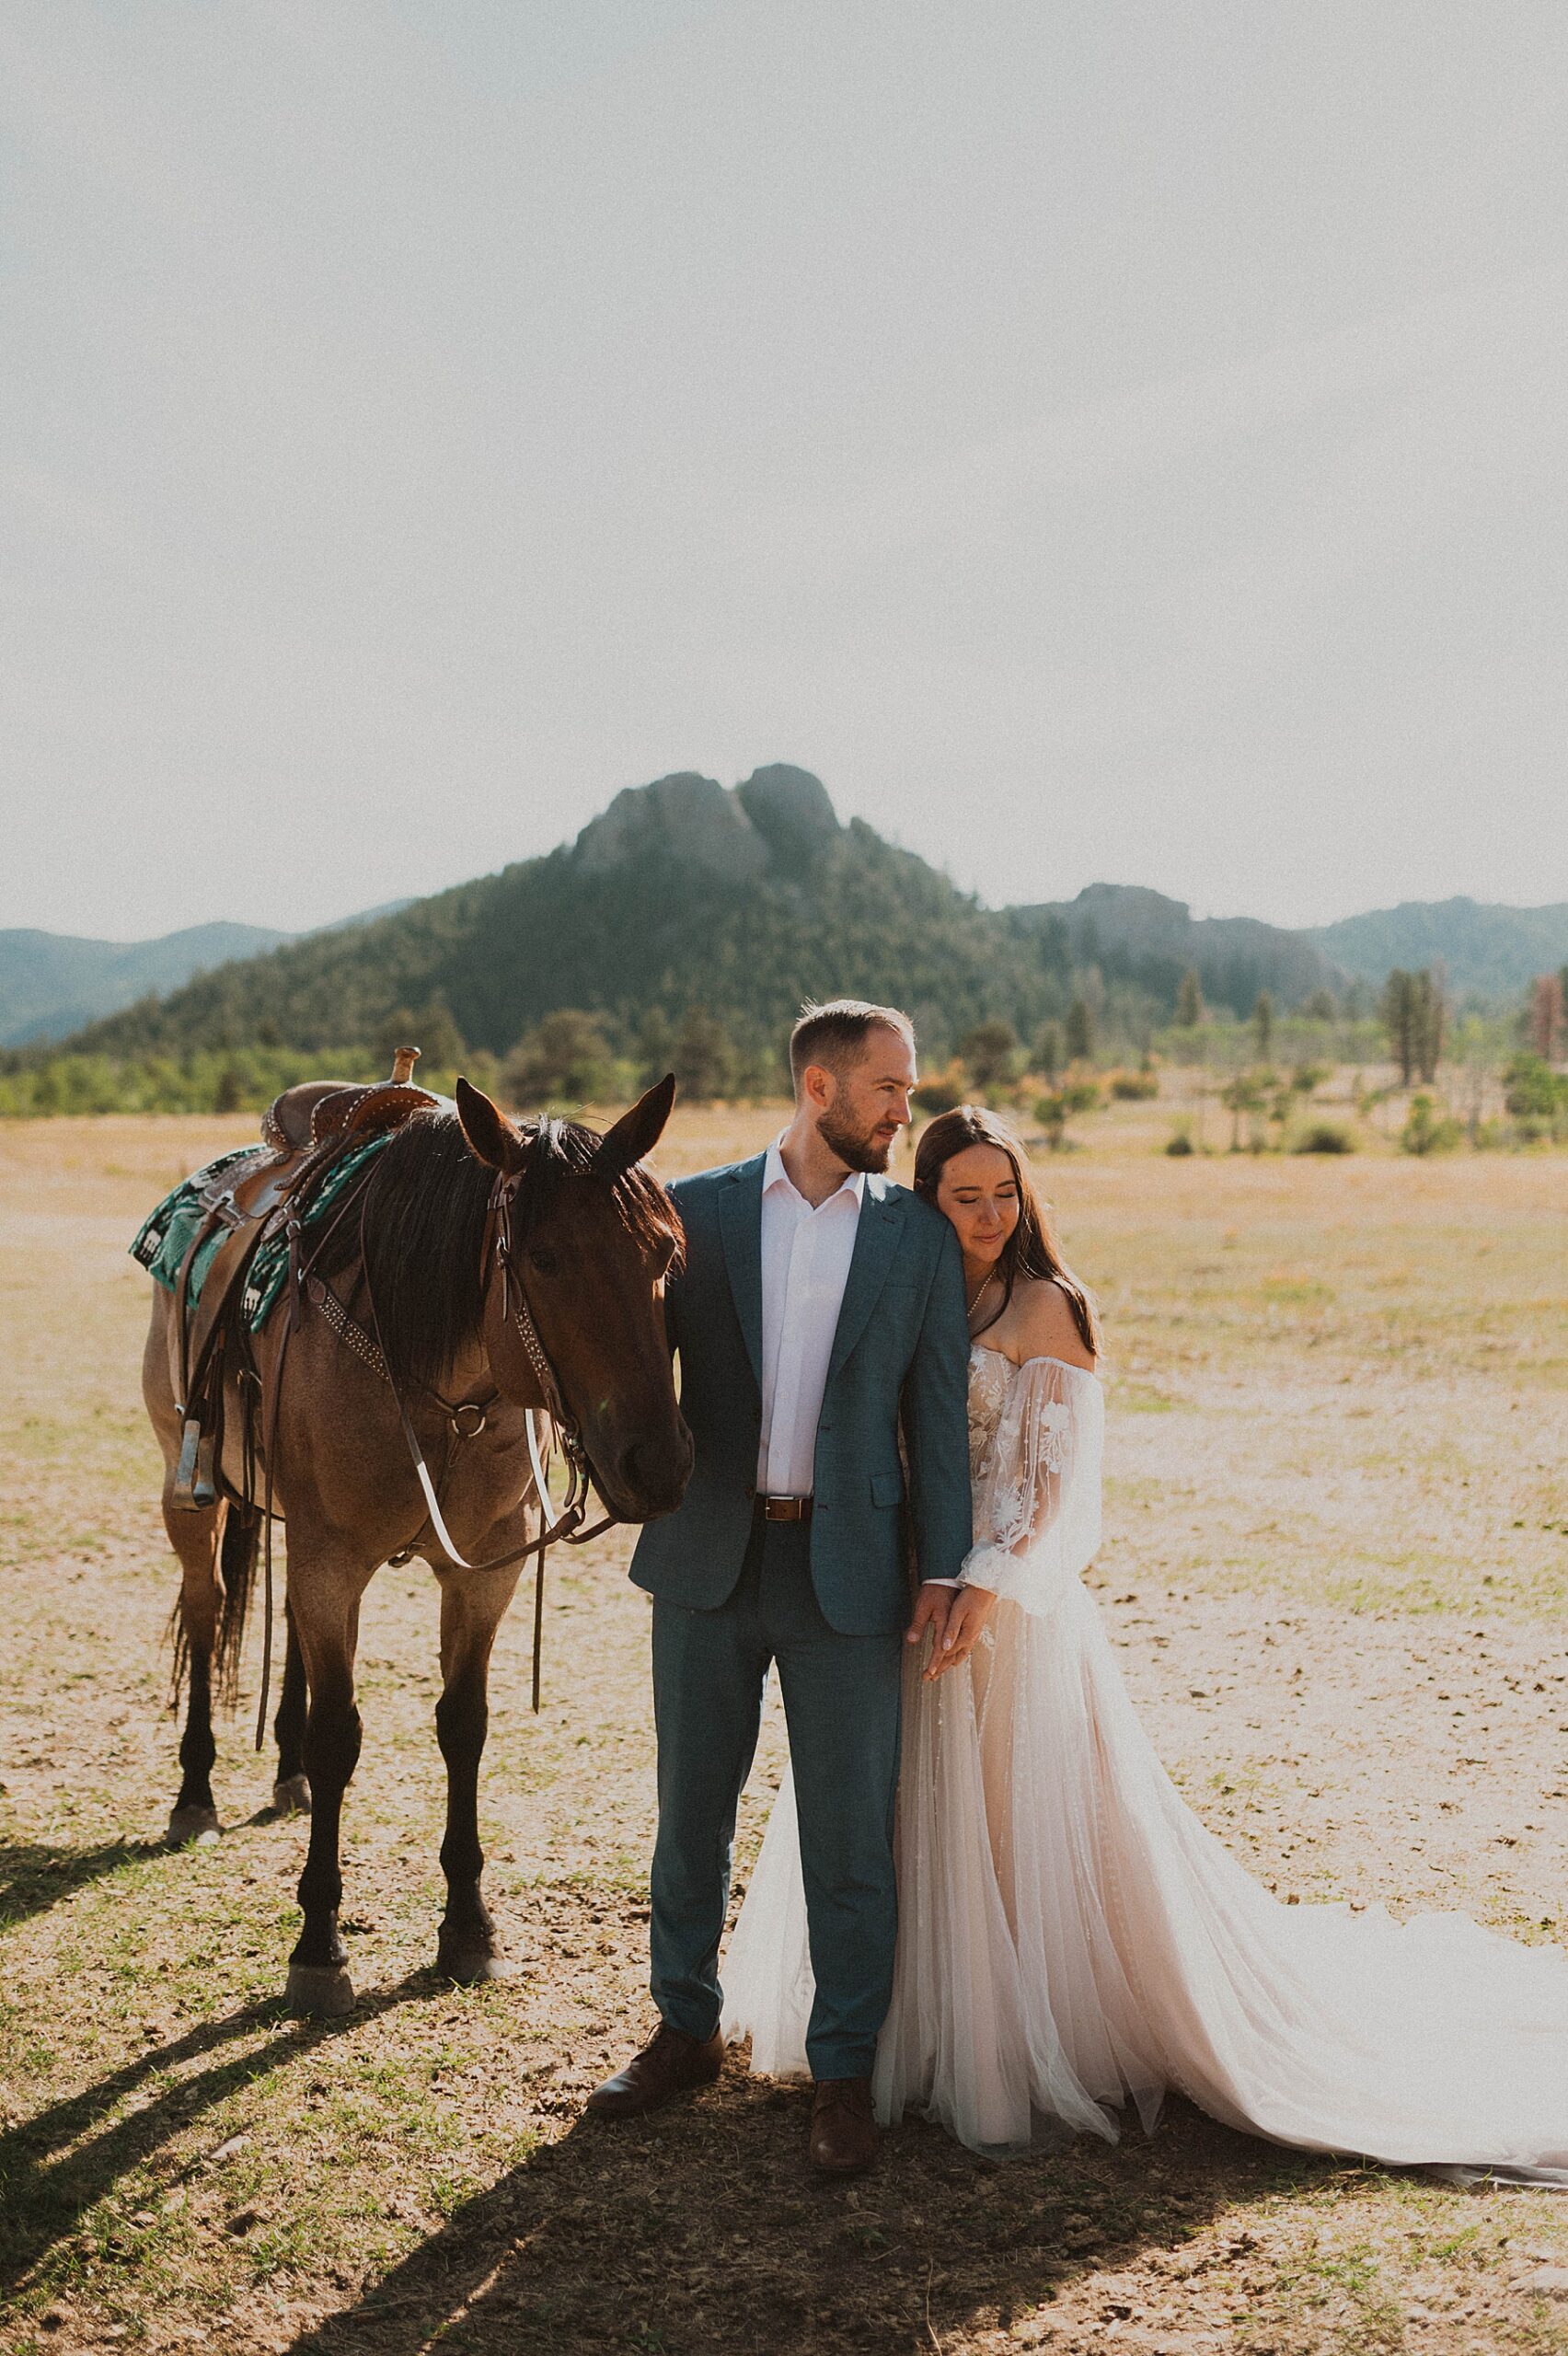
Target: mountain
{"x": 743, "y": 901}
{"x": 53, "y": 983}
{"x": 1493, "y": 951}
{"x": 1140, "y": 936}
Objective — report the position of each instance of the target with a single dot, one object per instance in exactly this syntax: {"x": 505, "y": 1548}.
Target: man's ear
{"x": 490, "y": 1134}
{"x": 818, "y": 1086}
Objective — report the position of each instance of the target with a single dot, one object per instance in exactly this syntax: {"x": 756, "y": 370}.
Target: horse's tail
{"x": 242, "y": 1537}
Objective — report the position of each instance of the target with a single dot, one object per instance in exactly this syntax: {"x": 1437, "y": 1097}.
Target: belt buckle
{"x": 784, "y": 1508}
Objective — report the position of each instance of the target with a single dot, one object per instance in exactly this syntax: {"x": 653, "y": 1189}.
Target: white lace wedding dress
{"x": 1070, "y": 1935}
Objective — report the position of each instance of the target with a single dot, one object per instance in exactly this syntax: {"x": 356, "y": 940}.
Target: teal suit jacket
{"x": 901, "y": 1349}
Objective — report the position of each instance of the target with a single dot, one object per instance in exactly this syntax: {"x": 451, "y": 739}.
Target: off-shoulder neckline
{"x": 1043, "y": 1358}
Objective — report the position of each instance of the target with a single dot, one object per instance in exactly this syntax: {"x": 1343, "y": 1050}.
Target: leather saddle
{"x": 306, "y": 1130}
{"x": 317, "y": 1113}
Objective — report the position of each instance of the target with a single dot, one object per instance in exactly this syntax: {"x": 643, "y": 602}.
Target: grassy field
{"x": 1335, "y": 1568}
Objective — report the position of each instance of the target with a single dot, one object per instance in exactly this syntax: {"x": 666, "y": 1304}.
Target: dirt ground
{"x": 1335, "y": 1566}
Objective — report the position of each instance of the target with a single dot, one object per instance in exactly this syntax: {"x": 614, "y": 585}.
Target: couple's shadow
{"x": 701, "y": 2232}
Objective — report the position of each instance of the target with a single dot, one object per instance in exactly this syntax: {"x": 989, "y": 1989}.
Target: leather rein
{"x": 568, "y": 1529}
{"x": 467, "y": 1416}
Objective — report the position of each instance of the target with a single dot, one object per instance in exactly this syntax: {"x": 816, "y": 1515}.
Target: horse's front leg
{"x": 324, "y": 1598}
{"x": 472, "y": 1606}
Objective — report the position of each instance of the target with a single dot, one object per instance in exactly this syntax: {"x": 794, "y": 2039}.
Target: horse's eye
{"x": 547, "y": 1263}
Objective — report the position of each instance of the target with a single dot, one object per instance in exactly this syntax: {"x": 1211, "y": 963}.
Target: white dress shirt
{"x": 805, "y": 1267}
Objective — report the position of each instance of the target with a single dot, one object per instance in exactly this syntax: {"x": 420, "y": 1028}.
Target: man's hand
{"x": 967, "y": 1615}
{"x": 931, "y": 1607}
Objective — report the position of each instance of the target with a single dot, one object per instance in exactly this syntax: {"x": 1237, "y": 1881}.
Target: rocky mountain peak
{"x": 779, "y": 818}
{"x": 1132, "y": 911}
{"x": 684, "y": 818}
{"x": 791, "y": 809}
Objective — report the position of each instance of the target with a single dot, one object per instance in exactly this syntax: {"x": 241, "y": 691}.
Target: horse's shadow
{"x": 703, "y": 2232}
{"x": 35, "y": 1876}
{"x": 42, "y": 2196}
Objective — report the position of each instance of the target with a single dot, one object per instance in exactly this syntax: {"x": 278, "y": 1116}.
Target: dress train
{"x": 1071, "y": 1936}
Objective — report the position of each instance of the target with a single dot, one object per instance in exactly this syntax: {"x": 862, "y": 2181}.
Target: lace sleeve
{"x": 1037, "y": 1491}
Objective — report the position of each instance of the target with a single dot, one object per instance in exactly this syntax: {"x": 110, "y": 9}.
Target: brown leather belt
{"x": 786, "y": 1509}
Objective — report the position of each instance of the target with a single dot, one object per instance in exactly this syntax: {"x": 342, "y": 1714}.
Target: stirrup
{"x": 194, "y": 1488}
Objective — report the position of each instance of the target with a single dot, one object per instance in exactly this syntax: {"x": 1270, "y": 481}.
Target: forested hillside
{"x": 1492, "y": 952}
{"x": 681, "y": 895}
{"x": 51, "y": 983}
{"x": 1140, "y": 936}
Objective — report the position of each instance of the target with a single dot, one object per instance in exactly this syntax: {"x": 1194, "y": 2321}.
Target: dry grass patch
{"x": 1336, "y": 1558}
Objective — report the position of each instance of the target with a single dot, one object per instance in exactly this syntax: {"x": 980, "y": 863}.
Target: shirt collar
{"x": 775, "y": 1174}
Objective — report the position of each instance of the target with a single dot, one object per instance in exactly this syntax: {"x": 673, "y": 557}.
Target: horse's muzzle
{"x": 649, "y": 1478}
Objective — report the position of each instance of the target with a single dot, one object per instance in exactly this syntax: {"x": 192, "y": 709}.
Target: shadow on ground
{"x": 44, "y": 2195}
{"x": 703, "y": 2231}
{"x": 33, "y": 1877}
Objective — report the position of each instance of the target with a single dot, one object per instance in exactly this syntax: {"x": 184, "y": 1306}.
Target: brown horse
{"x": 465, "y": 1221}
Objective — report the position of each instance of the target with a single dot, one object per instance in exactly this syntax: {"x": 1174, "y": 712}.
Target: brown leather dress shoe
{"x": 669, "y": 2064}
{"x": 844, "y": 2134}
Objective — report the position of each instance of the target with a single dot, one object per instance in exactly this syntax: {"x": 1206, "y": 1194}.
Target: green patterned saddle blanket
{"x": 165, "y": 1238}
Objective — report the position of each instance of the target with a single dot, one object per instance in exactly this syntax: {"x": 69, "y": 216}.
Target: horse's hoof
{"x": 190, "y": 1824}
{"x": 292, "y": 1795}
{"x": 470, "y": 1965}
{"x": 319, "y": 1991}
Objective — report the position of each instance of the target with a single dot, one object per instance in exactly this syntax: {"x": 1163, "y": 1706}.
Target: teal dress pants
{"x": 841, "y": 1699}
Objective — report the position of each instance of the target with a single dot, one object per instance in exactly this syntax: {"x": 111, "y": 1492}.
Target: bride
{"x": 1069, "y": 1934}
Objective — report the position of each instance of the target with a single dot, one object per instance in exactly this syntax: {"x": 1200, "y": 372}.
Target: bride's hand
{"x": 971, "y": 1608}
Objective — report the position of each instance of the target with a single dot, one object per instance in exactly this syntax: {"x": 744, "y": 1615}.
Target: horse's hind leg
{"x": 194, "y": 1538}
{"x": 471, "y": 1608}
{"x": 324, "y": 1606}
{"x": 291, "y": 1792}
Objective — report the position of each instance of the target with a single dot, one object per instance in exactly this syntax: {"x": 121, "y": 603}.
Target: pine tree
{"x": 989, "y": 1051}
{"x": 1398, "y": 1014}
{"x": 564, "y": 1058}
{"x": 1263, "y": 1024}
{"x": 1189, "y": 1000}
{"x": 703, "y": 1057}
{"x": 1428, "y": 1015}
{"x": 1080, "y": 1032}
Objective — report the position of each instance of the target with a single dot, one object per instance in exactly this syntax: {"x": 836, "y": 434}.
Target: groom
{"x": 818, "y": 1304}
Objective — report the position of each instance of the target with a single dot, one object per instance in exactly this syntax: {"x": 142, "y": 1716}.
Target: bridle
{"x": 580, "y": 1473}
{"x": 466, "y": 1417}
{"x": 568, "y": 1529}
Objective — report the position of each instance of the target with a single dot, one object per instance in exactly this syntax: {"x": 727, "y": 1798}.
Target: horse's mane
{"x": 424, "y": 1227}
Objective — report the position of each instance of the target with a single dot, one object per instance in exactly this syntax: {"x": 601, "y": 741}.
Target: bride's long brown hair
{"x": 1032, "y": 1249}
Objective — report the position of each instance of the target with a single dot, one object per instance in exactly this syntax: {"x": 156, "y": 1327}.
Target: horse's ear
{"x": 487, "y": 1128}
{"x": 637, "y": 1132}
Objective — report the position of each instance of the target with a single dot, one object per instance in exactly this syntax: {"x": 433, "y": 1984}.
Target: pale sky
{"x": 1116, "y": 440}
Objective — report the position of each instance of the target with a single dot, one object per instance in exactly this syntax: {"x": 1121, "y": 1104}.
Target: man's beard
{"x": 858, "y": 1149}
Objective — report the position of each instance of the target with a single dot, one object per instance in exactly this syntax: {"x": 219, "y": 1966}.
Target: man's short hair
{"x": 837, "y": 1034}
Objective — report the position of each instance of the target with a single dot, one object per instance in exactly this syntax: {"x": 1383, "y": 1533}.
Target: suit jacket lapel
{"x": 876, "y": 1240}
{"x": 740, "y": 1225}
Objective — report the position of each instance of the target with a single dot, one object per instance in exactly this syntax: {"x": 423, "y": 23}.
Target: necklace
{"x": 986, "y": 1284}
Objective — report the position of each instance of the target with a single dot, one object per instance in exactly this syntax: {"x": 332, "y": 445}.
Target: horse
{"x": 494, "y": 1270}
